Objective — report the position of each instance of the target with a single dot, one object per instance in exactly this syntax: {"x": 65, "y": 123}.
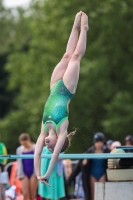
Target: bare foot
{"x": 84, "y": 21}
{"x": 77, "y": 21}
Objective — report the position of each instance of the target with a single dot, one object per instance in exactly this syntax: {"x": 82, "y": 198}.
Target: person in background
{"x": 97, "y": 167}
{"x": 128, "y": 140}
{"x": 57, "y": 189}
{"x": 25, "y": 169}
{"x": 14, "y": 181}
{"x": 67, "y": 168}
{"x": 93, "y": 170}
{"x": 3, "y": 151}
{"x": 109, "y": 143}
{"x": 115, "y": 144}
{"x": 78, "y": 190}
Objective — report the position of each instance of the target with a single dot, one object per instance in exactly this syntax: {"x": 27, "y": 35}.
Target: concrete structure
{"x": 114, "y": 191}
{"x": 120, "y": 175}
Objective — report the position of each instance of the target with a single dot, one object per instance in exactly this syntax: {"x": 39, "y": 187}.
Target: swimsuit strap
{"x": 49, "y": 121}
{"x": 56, "y": 125}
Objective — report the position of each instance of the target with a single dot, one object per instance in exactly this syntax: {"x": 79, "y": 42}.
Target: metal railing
{"x": 74, "y": 156}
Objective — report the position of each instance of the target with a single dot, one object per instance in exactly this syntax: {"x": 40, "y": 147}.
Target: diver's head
{"x": 50, "y": 142}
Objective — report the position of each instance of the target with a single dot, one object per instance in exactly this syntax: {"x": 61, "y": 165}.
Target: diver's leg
{"x": 61, "y": 67}
{"x": 71, "y": 74}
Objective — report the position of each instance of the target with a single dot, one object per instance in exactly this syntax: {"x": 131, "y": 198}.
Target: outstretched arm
{"x": 57, "y": 150}
{"x": 38, "y": 150}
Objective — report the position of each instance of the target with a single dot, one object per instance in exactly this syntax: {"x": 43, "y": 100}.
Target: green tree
{"x": 6, "y": 40}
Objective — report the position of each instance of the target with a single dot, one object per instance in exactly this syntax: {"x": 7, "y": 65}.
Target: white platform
{"x": 120, "y": 174}
{"x": 114, "y": 191}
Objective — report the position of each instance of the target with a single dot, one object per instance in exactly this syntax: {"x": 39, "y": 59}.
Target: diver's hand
{"x": 43, "y": 179}
{"x": 39, "y": 177}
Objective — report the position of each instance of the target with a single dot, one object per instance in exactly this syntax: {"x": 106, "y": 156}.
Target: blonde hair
{"x": 68, "y": 141}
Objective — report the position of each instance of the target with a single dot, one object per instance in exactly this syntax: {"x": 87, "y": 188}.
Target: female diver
{"x": 63, "y": 85}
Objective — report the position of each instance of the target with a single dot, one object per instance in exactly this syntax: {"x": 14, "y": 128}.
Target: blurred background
{"x": 33, "y": 37}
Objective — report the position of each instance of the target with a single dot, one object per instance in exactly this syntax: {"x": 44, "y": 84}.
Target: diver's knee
{"x": 67, "y": 55}
{"x": 76, "y": 56}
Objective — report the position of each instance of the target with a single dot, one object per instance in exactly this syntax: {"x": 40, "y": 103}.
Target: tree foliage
{"x": 6, "y": 40}
{"x": 103, "y": 101}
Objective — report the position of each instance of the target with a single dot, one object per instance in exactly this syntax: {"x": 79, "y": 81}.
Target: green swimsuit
{"x": 55, "y": 110}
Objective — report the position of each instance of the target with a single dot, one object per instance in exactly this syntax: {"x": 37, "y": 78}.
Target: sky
{"x": 15, "y": 3}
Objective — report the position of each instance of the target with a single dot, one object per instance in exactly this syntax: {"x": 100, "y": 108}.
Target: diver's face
{"x": 50, "y": 142}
